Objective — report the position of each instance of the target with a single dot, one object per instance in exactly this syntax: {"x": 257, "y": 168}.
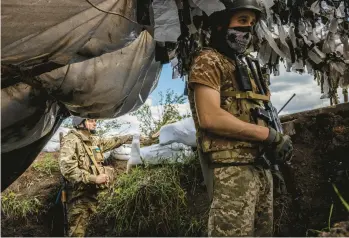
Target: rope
{"x": 114, "y": 13}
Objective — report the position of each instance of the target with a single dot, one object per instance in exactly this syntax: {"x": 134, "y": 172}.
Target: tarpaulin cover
{"x": 104, "y": 68}
{"x": 63, "y": 31}
{"x": 104, "y": 86}
{"x": 27, "y": 114}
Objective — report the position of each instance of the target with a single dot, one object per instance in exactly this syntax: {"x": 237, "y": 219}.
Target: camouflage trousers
{"x": 242, "y": 200}
{"x": 79, "y": 212}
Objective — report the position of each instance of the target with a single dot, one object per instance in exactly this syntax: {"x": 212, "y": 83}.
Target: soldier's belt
{"x": 230, "y": 156}
{"x": 245, "y": 95}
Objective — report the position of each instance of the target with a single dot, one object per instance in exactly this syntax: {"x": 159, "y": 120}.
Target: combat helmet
{"x": 222, "y": 17}
{"x": 233, "y": 5}
{"x": 77, "y": 121}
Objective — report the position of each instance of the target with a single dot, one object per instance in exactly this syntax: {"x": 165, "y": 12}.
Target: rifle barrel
{"x": 286, "y": 103}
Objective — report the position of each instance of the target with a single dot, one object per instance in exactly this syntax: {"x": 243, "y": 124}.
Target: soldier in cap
{"x": 81, "y": 164}
{"x": 229, "y": 138}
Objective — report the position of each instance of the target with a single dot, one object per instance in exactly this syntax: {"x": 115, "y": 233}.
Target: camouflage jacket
{"x": 217, "y": 71}
{"x": 75, "y": 161}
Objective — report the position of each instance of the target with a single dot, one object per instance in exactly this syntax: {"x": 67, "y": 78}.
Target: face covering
{"x": 238, "y": 38}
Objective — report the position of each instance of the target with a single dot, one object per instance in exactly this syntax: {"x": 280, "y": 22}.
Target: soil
{"x": 321, "y": 160}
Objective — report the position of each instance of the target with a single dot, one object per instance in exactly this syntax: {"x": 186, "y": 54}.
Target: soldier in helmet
{"x": 230, "y": 139}
{"x": 81, "y": 164}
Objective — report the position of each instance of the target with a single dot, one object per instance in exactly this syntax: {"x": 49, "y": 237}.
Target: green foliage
{"x": 167, "y": 110}
{"x": 14, "y": 206}
{"x": 152, "y": 201}
{"x": 47, "y": 165}
{"x": 103, "y": 126}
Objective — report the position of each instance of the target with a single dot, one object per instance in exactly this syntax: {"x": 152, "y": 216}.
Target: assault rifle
{"x": 268, "y": 114}
{"x": 64, "y": 197}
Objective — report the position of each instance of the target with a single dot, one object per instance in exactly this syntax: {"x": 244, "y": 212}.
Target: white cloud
{"x": 307, "y": 91}
{"x": 130, "y": 125}
{"x": 149, "y": 101}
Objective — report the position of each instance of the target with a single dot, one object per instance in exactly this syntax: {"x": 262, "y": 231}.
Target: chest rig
{"x": 241, "y": 97}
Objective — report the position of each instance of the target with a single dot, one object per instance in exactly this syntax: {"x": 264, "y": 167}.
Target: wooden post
{"x": 345, "y": 94}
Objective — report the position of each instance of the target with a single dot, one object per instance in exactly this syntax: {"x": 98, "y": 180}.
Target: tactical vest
{"x": 96, "y": 158}
{"x": 221, "y": 149}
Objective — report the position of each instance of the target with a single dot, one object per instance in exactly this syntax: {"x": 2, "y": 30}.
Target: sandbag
{"x": 182, "y": 132}
{"x": 122, "y": 153}
{"x": 157, "y": 154}
{"x": 54, "y": 144}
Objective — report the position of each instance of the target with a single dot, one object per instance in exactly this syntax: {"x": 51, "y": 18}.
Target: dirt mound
{"x": 321, "y": 160}
{"x": 340, "y": 229}
{"x": 30, "y": 206}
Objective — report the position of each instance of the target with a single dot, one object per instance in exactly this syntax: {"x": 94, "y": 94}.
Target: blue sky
{"x": 166, "y": 82}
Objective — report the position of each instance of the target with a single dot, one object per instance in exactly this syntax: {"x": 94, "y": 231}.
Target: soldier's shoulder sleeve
{"x": 206, "y": 70}
{"x": 114, "y": 142}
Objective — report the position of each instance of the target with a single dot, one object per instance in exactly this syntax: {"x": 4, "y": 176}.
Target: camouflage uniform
{"x": 242, "y": 195}
{"x": 78, "y": 169}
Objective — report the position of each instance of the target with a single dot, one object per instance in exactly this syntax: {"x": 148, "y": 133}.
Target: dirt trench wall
{"x": 321, "y": 160}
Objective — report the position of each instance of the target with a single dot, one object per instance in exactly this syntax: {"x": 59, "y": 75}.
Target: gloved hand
{"x": 279, "y": 146}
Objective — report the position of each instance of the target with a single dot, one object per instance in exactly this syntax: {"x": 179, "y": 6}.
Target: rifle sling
{"x": 92, "y": 157}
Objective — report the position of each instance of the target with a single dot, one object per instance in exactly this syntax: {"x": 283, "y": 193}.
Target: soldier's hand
{"x": 102, "y": 179}
{"x": 280, "y": 146}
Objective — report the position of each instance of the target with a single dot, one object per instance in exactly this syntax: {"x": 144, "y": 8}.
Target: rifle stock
{"x": 64, "y": 197}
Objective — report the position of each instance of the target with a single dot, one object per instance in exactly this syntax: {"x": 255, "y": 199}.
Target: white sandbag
{"x": 182, "y": 132}
{"x": 157, "y": 154}
{"x": 53, "y": 145}
{"x": 55, "y": 137}
{"x": 122, "y": 153}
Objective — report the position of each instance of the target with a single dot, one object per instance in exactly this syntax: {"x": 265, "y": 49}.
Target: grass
{"x": 152, "y": 201}
{"x": 14, "y": 206}
{"x": 345, "y": 204}
{"x": 47, "y": 165}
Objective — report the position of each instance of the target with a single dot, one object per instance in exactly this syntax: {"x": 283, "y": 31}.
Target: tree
{"x": 104, "y": 126}
{"x": 168, "y": 111}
